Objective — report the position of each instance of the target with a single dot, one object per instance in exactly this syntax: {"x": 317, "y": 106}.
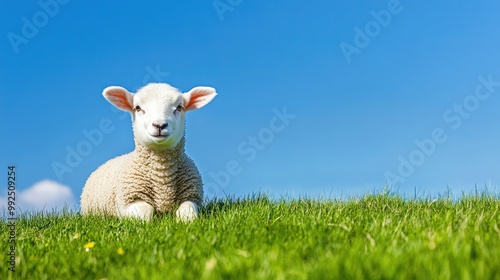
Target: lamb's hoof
{"x": 187, "y": 212}
{"x": 140, "y": 210}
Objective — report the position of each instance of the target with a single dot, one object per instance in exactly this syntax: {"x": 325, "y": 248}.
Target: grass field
{"x": 374, "y": 237}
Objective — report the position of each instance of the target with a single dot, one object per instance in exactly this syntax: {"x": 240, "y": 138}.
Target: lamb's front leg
{"x": 139, "y": 210}
{"x": 187, "y": 212}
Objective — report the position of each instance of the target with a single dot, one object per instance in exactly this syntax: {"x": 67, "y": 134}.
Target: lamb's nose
{"x": 160, "y": 126}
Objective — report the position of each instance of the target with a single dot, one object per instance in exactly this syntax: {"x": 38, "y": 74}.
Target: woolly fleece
{"x": 163, "y": 179}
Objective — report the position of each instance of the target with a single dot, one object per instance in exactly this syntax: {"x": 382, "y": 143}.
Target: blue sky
{"x": 362, "y": 82}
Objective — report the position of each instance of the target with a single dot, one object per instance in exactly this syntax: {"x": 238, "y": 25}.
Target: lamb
{"x": 157, "y": 176}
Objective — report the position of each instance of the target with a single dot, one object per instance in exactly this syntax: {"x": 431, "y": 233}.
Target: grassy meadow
{"x": 374, "y": 237}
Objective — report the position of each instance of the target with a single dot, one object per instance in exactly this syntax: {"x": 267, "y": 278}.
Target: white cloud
{"x": 44, "y": 195}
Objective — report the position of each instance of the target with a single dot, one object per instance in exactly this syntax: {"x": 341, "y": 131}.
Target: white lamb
{"x": 157, "y": 176}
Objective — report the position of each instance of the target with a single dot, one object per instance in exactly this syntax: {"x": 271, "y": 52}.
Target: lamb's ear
{"x": 119, "y": 97}
{"x": 198, "y": 97}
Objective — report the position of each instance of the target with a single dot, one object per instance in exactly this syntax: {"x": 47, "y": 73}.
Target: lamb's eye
{"x": 179, "y": 108}
{"x": 137, "y": 108}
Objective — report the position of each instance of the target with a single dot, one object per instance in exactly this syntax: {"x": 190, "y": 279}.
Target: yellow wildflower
{"x": 88, "y": 246}
{"x": 120, "y": 251}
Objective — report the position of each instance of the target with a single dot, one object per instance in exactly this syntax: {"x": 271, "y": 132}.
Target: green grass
{"x": 374, "y": 237}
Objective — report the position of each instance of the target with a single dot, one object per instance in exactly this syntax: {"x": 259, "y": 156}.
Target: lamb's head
{"x": 158, "y": 111}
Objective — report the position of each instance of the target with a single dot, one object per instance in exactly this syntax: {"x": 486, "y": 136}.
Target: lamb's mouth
{"x": 160, "y": 136}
